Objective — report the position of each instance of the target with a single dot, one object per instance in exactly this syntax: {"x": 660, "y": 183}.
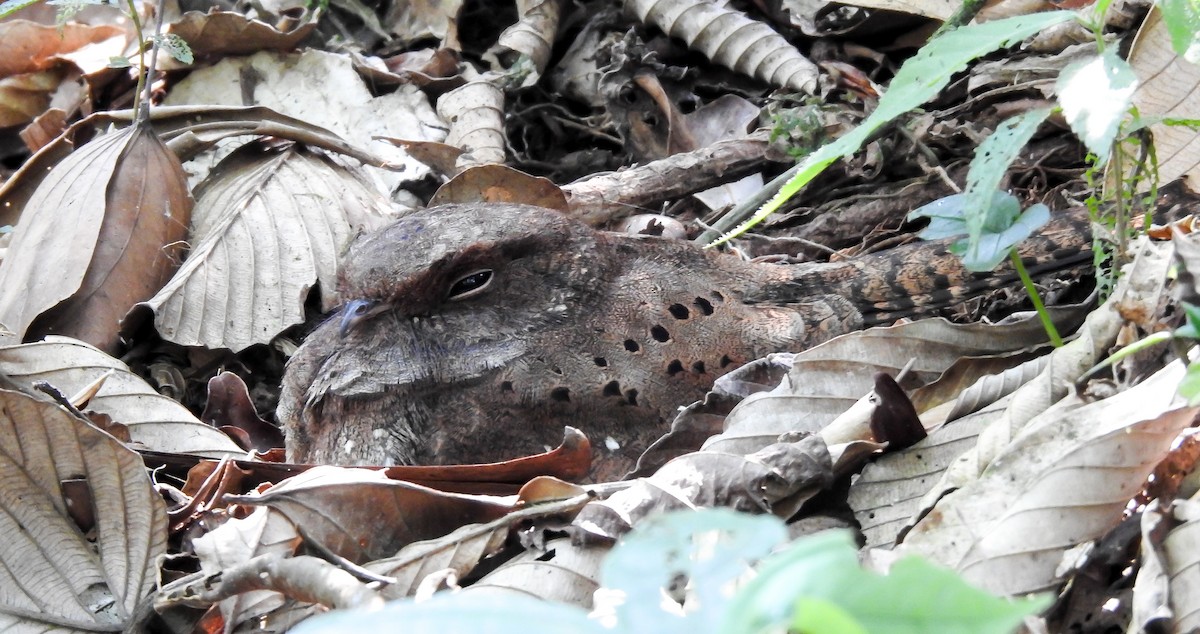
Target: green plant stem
{"x": 141, "y": 82}
{"x": 1122, "y": 238}
{"x": 1034, "y": 297}
{"x": 961, "y": 16}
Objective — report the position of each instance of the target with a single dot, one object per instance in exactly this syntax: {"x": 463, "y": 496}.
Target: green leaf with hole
{"x": 1004, "y": 226}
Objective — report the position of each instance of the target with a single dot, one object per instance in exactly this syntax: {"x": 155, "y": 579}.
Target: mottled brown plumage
{"x": 474, "y": 333}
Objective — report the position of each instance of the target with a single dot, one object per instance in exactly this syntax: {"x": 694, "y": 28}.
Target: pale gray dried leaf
{"x": 993, "y": 378}
{"x": 776, "y": 478}
{"x": 1169, "y": 88}
{"x": 475, "y": 111}
{"x": 532, "y": 36}
{"x": 238, "y": 540}
{"x": 1153, "y": 596}
{"x": 52, "y": 575}
{"x": 459, "y": 551}
{"x": 154, "y": 420}
{"x": 886, "y": 496}
{"x": 267, "y": 227}
{"x": 827, "y": 379}
{"x": 1181, "y": 554}
{"x": 1064, "y": 481}
{"x": 561, "y": 572}
{"x": 731, "y": 39}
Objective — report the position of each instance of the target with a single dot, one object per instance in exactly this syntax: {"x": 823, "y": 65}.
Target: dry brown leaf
{"x": 153, "y": 420}
{"x": 268, "y": 226}
{"x": 730, "y": 39}
{"x": 24, "y": 97}
{"x": 361, "y": 515}
{"x": 500, "y": 184}
{"x": 1064, "y": 481}
{"x": 29, "y": 46}
{"x": 54, "y": 577}
{"x": 102, "y": 232}
{"x": 229, "y": 33}
{"x": 1168, "y": 86}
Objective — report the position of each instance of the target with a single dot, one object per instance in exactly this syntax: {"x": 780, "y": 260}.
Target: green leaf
{"x": 1004, "y": 226}
{"x": 711, "y": 548}
{"x": 1183, "y": 23}
{"x": 915, "y": 597}
{"x": 994, "y": 246}
{"x": 1191, "y": 329}
{"x": 987, "y": 170}
{"x": 920, "y": 79}
{"x": 1189, "y": 387}
{"x": 119, "y": 61}
{"x": 1095, "y": 95}
{"x": 458, "y": 612}
{"x": 817, "y": 616}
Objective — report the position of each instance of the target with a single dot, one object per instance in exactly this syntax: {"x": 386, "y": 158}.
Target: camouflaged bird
{"x": 474, "y": 333}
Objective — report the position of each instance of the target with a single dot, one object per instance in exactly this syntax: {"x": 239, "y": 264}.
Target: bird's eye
{"x": 470, "y": 285}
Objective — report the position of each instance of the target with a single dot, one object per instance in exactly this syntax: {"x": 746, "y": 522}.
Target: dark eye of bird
{"x": 470, "y": 285}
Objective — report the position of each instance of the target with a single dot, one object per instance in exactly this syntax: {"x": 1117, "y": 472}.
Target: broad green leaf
{"x": 817, "y": 616}
{"x": 711, "y": 548}
{"x": 994, "y": 246}
{"x": 914, "y": 597}
{"x": 920, "y": 79}
{"x": 1189, "y": 387}
{"x": 1095, "y": 95}
{"x": 987, "y": 170}
{"x": 458, "y": 612}
{"x": 1004, "y": 226}
{"x": 1183, "y": 23}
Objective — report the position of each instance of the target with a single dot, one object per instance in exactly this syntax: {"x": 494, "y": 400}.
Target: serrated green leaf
{"x": 1182, "y": 18}
{"x": 1095, "y": 95}
{"x": 920, "y": 79}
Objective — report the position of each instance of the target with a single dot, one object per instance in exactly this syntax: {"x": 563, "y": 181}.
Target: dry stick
{"x": 613, "y": 195}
